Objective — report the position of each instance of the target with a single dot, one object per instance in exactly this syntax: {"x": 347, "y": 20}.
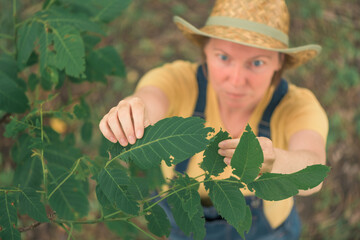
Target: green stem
{"x": 6, "y": 36}
{"x": 70, "y": 232}
{"x": 44, "y": 169}
{"x": 49, "y": 4}
{"x": 138, "y": 228}
{"x": 65, "y": 179}
{"x": 7, "y": 51}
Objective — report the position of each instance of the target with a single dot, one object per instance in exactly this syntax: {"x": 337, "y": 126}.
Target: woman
{"x": 245, "y": 48}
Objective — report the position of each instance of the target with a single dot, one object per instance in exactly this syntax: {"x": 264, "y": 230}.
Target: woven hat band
{"x": 250, "y": 26}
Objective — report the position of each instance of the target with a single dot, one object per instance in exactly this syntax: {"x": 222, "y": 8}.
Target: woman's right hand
{"x": 125, "y": 122}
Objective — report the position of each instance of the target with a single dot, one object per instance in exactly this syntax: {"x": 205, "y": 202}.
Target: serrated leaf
{"x": 47, "y": 57}
{"x": 275, "y": 186}
{"x": 30, "y": 203}
{"x": 194, "y": 226}
{"x": 14, "y": 127}
{"x": 172, "y": 139}
{"x": 86, "y": 131}
{"x": 12, "y": 97}
{"x": 70, "y": 51}
{"x": 114, "y": 184}
{"x": 228, "y": 200}
{"x": 244, "y": 226}
{"x": 69, "y": 200}
{"x": 26, "y": 36}
{"x": 248, "y": 157}
{"x": 158, "y": 222}
{"x": 58, "y": 17}
{"x": 138, "y": 188}
{"x": 213, "y": 162}
{"x": 110, "y": 9}
{"x": 8, "y": 217}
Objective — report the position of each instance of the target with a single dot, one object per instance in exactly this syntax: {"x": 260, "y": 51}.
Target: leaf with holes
{"x": 275, "y": 186}
{"x": 213, "y": 162}
{"x": 158, "y": 222}
{"x": 172, "y": 139}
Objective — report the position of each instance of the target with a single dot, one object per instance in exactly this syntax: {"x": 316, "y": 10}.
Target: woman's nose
{"x": 237, "y": 76}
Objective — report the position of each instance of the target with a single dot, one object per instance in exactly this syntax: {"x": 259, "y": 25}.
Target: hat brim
{"x": 296, "y": 55}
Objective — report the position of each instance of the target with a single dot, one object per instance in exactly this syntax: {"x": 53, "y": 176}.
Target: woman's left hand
{"x": 227, "y": 149}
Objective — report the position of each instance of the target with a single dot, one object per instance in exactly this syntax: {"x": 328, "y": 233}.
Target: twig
{"x": 28, "y": 228}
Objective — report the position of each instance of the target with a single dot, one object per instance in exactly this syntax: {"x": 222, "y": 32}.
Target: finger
{"x": 115, "y": 127}
{"x": 229, "y": 143}
{"x": 138, "y": 115}
{"x": 106, "y": 131}
{"x": 124, "y": 116}
{"x": 226, "y": 152}
{"x": 227, "y": 161}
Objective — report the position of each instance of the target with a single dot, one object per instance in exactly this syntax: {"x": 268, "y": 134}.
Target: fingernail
{"x": 123, "y": 142}
{"x": 131, "y": 139}
{"x": 112, "y": 139}
{"x": 139, "y": 134}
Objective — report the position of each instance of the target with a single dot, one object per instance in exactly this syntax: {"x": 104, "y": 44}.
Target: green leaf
{"x": 245, "y": 225}
{"x": 12, "y": 97}
{"x": 33, "y": 81}
{"x": 228, "y": 200}
{"x": 248, "y": 157}
{"x": 47, "y": 57}
{"x": 213, "y": 162}
{"x": 138, "y": 188}
{"x": 106, "y": 61}
{"x": 114, "y": 184}
{"x": 58, "y": 17}
{"x": 14, "y": 127}
{"x": 8, "y": 66}
{"x": 196, "y": 225}
{"x": 20, "y": 151}
{"x": 69, "y": 200}
{"x": 30, "y": 203}
{"x": 70, "y": 51}
{"x": 8, "y": 217}
{"x": 172, "y": 139}
{"x": 110, "y": 9}
{"x": 26, "y": 36}
{"x": 275, "y": 186}
{"x": 158, "y": 222}
{"x": 82, "y": 110}
{"x": 86, "y": 131}
{"x": 29, "y": 173}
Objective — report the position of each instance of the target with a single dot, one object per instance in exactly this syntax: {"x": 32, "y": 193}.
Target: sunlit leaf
{"x": 275, "y": 186}
{"x": 248, "y": 157}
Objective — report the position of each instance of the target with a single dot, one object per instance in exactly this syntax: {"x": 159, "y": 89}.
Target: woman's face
{"x": 240, "y": 75}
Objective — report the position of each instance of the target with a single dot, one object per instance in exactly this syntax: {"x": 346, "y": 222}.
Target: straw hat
{"x": 257, "y": 23}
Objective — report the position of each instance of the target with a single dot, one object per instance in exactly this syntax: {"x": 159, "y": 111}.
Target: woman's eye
{"x": 258, "y": 63}
{"x": 223, "y": 57}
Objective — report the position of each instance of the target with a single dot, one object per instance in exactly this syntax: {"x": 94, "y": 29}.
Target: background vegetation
{"x": 145, "y": 37}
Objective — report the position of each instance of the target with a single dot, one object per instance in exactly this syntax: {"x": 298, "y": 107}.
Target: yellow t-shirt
{"x": 299, "y": 110}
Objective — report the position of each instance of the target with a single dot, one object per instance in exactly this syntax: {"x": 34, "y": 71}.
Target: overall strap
{"x": 199, "y": 108}
{"x": 279, "y": 93}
